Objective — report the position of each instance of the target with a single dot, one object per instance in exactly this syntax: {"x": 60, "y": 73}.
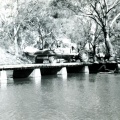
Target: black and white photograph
{"x": 59, "y": 59}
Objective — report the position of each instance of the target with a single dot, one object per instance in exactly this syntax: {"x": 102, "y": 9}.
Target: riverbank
{"x": 7, "y": 58}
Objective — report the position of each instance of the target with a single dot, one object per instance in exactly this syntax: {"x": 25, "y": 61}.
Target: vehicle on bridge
{"x": 51, "y": 56}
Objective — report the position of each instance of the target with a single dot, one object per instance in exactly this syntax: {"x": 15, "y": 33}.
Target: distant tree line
{"x": 79, "y": 20}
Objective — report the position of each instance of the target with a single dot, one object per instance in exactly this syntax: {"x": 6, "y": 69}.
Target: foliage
{"x": 47, "y": 21}
{"x": 98, "y": 10}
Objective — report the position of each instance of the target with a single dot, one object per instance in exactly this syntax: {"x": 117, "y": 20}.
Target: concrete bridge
{"x": 24, "y": 70}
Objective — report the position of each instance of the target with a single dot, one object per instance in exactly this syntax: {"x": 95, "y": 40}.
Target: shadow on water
{"x": 92, "y": 77}
{"x": 48, "y": 79}
{"x": 22, "y": 81}
{"x": 56, "y": 97}
{"x": 4, "y": 83}
{"x": 75, "y": 76}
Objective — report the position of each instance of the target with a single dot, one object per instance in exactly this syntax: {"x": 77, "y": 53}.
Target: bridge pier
{"x": 78, "y": 69}
{"x": 36, "y": 73}
{"x": 3, "y": 75}
{"x": 63, "y": 71}
{"x": 118, "y": 67}
{"x": 3, "y": 79}
{"x": 85, "y": 70}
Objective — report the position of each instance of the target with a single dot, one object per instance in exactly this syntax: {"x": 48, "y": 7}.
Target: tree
{"x": 95, "y": 34}
{"x": 12, "y": 22}
{"x": 38, "y": 20}
{"x": 98, "y": 10}
{"x": 100, "y": 13}
{"x": 24, "y": 20}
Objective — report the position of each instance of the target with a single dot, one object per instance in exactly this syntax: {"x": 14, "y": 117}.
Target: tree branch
{"x": 114, "y": 19}
{"x": 116, "y": 3}
{"x": 16, "y": 30}
{"x": 95, "y": 20}
{"x": 99, "y": 18}
{"x": 106, "y": 6}
{"x": 103, "y": 10}
{"x": 97, "y": 35}
{"x": 2, "y": 17}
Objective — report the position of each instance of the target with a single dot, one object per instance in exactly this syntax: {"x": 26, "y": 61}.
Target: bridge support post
{"x": 3, "y": 75}
{"x": 37, "y": 76}
{"x": 3, "y": 79}
{"x": 118, "y": 67}
{"x": 36, "y": 73}
{"x": 85, "y": 69}
{"x": 63, "y": 73}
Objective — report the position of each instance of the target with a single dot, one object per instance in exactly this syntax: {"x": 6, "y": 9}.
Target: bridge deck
{"x": 32, "y": 66}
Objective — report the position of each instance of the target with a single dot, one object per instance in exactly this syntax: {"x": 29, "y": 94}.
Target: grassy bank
{"x": 6, "y": 58}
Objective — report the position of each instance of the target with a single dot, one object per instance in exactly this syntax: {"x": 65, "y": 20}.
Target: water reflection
{"x": 3, "y": 84}
{"x": 92, "y": 77}
{"x": 76, "y": 97}
{"x": 37, "y": 81}
{"x": 23, "y": 81}
{"x": 36, "y": 77}
{"x": 3, "y": 79}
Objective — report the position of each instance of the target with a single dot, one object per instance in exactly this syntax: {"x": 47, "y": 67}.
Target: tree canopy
{"x": 25, "y": 22}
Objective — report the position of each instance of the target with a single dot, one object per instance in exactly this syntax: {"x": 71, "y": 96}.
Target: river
{"x": 58, "y": 97}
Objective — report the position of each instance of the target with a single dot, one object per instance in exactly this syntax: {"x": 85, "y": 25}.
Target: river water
{"x": 72, "y": 97}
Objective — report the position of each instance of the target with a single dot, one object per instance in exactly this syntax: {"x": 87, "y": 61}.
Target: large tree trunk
{"x": 93, "y": 31}
{"x": 109, "y": 47}
{"x": 40, "y": 38}
{"x": 16, "y": 42}
{"x": 16, "y": 39}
